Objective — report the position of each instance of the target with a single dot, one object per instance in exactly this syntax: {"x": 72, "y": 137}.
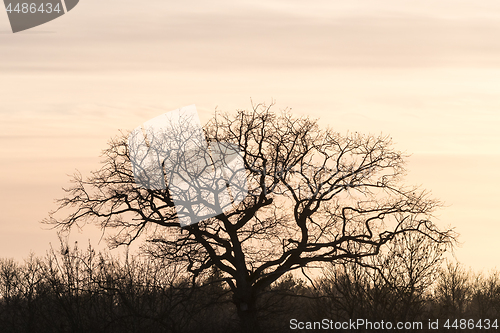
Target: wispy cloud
{"x": 157, "y": 35}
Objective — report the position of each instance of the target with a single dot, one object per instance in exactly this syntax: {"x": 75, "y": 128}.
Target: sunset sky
{"x": 425, "y": 72}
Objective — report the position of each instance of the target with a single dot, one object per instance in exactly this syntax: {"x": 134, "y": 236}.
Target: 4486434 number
{"x": 485, "y": 324}
{"x": 33, "y": 8}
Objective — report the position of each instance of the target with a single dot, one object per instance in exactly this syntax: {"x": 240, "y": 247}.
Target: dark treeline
{"x": 84, "y": 291}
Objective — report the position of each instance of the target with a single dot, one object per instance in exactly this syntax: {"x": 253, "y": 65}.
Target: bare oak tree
{"x": 314, "y": 196}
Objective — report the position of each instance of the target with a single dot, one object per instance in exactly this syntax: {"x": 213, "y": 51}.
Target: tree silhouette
{"x": 314, "y": 196}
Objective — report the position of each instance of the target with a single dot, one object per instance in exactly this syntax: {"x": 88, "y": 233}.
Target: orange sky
{"x": 425, "y": 72}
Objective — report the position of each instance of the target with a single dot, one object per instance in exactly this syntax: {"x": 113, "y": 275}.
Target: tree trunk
{"x": 248, "y": 318}
{"x": 247, "y": 311}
